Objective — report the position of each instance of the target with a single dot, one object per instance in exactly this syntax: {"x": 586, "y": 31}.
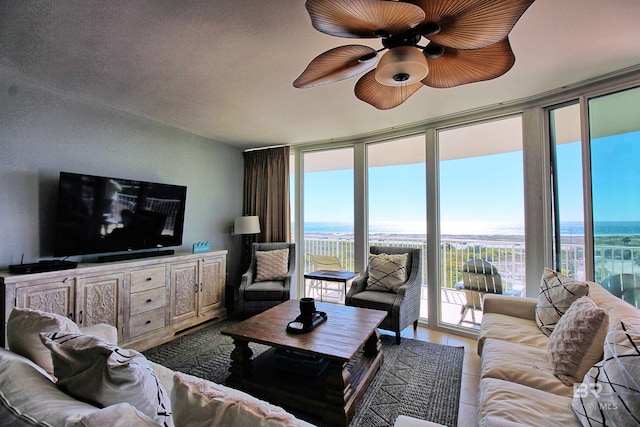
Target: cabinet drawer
{"x": 146, "y": 322}
{"x": 148, "y": 300}
{"x": 148, "y": 278}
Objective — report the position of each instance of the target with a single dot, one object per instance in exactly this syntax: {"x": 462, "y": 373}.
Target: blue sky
{"x": 487, "y": 188}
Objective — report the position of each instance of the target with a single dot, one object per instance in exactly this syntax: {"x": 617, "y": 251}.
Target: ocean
{"x": 570, "y": 228}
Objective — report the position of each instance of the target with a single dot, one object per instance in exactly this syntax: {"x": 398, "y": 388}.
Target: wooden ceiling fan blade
{"x": 337, "y": 64}
{"x": 458, "y": 67}
{"x": 363, "y": 18}
{"x": 380, "y": 96}
{"x": 472, "y": 24}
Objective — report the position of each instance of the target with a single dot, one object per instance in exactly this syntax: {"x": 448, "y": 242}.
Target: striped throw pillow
{"x": 557, "y": 292}
{"x": 387, "y": 272}
{"x": 610, "y": 392}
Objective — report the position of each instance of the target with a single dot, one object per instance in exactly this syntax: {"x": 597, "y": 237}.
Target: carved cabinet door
{"x": 184, "y": 291}
{"x": 98, "y": 300}
{"x": 212, "y": 283}
{"x": 54, "y": 297}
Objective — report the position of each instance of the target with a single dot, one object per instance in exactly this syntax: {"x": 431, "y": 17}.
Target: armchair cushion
{"x": 268, "y": 290}
{"x": 272, "y": 265}
{"x": 387, "y": 272}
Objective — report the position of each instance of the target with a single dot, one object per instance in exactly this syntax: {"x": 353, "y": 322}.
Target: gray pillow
{"x": 96, "y": 371}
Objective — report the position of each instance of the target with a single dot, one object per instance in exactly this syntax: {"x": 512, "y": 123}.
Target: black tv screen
{"x": 97, "y": 214}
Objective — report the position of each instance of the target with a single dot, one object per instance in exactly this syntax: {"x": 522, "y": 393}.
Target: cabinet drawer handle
{"x": 149, "y": 300}
{"x": 148, "y": 322}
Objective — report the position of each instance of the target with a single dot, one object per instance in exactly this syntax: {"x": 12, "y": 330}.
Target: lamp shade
{"x": 246, "y": 225}
{"x": 402, "y": 65}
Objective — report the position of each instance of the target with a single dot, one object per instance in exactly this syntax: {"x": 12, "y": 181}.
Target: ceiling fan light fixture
{"x": 402, "y": 65}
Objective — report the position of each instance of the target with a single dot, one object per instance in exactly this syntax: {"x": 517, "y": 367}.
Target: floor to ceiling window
{"x": 614, "y": 128}
{"x": 328, "y": 221}
{"x": 481, "y": 209}
{"x": 567, "y": 190}
{"x": 469, "y": 180}
{"x": 396, "y": 185}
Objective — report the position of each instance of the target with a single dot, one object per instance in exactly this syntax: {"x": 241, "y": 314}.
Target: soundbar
{"x": 42, "y": 266}
{"x": 134, "y": 255}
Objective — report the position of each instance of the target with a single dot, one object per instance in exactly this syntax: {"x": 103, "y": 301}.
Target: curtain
{"x": 266, "y": 194}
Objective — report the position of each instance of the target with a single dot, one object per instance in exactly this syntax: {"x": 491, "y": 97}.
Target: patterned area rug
{"x": 417, "y": 378}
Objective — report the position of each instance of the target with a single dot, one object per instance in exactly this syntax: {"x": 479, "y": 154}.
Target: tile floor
{"x": 470, "y": 370}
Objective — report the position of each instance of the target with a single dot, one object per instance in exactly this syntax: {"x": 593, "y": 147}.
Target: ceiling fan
{"x": 467, "y": 42}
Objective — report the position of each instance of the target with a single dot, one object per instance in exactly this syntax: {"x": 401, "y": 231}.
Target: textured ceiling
{"x": 224, "y": 69}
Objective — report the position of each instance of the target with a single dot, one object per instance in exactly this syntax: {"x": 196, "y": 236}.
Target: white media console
{"x": 148, "y": 300}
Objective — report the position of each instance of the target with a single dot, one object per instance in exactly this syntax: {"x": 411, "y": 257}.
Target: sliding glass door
{"x": 614, "y": 127}
{"x": 396, "y": 188}
{"x": 481, "y": 204}
{"x": 328, "y": 221}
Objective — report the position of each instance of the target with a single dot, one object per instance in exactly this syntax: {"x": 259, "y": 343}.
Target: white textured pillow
{"x": 23, "y": 334}
{"x": 272, "y": 265}
{"x": 198, "y": 402}
{"x": 387, "y": 272}
{"x": 102, "y": 373}
{"x": 557, "y": 292}
{"x": 610, "y": 392}
{"x": 576, "y": 343}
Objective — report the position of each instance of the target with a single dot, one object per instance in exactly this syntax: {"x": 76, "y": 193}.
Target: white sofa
{"x": 29, "y": 394}
{"x": 518, "y": 385}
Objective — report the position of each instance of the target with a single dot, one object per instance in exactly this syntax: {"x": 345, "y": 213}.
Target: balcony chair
{"x": 381, "y": 288}
{"x": 625, "y": 286}
{"x": 269, "y": 278}
{"x": 479, "y": 277}
{"x": 327, "y": 263}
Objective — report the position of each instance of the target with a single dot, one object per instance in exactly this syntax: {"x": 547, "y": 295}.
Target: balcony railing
{"x": 508, "y": 256}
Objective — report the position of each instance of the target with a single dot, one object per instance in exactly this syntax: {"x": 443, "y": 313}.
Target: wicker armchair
{"x": 403, "y": 307}
{"x": 255, "y": 297}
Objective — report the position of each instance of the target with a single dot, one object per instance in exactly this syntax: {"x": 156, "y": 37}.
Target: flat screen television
{"x": 99, "y": 215}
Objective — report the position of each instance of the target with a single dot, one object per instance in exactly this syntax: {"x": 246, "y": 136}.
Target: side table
{"x": 342, "y": 277}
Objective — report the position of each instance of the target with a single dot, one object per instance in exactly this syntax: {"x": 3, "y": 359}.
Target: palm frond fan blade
{"x": 363, "y": 18}
{"x": 472, "y": 24}
{"x": 458, "y": 67}
{"x": 336, "y": 64}
{"x": 380, "y": 96}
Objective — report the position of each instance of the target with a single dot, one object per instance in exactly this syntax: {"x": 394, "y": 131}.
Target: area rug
{"x": 417, "y": 378}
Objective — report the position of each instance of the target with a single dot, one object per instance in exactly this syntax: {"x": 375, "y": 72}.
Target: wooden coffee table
{"x": 349, "y": 340}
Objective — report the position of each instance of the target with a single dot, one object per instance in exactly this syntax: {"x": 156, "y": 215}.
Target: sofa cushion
{"x": 119, "y": 415}
{"x": 522, "y": 364}
{"x": 199, "y": 402}
{"x": 96, "y": 371}
{"x": 513, "y": 329}
{"x": 272, "y": 265}
{"x": 387, "y": 272}
{"x": 557, "y": 292}
{"x": 575, "y": 344}
{"x": 503, "y": 403}
{"x": 610, "y": 391}
{"x": 23, "y": 333}
{"x": 28, "y": 396}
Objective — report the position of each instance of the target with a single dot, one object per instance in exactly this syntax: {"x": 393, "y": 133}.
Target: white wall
{"x": 43, "y": 132}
